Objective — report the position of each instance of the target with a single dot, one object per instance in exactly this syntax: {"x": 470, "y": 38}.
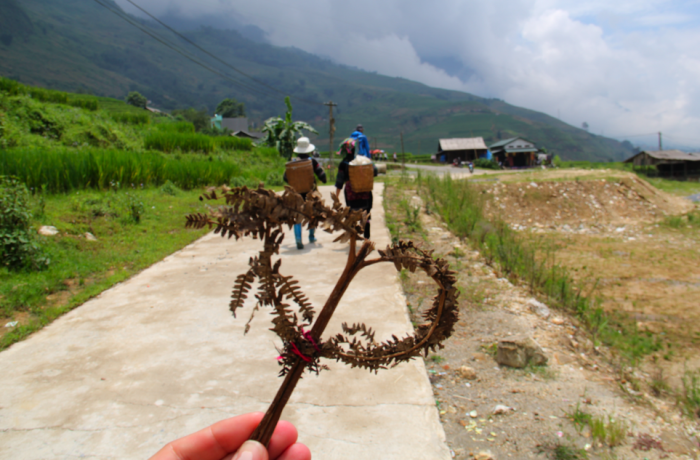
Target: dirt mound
{"x": 620, "y": 200}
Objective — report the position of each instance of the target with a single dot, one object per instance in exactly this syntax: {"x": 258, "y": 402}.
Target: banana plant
{"x": 282, "y": 133}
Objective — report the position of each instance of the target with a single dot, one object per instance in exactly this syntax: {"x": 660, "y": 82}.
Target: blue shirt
{"x": 363, "y": 143}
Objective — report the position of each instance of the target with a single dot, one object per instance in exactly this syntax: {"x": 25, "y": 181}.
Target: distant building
{"x": 246, "y": 134}
{"x": 466, "y": 149}
{"x": 234, "y": 124}
{"x": 668, "y": 163}
{"x": 515, "y": 152}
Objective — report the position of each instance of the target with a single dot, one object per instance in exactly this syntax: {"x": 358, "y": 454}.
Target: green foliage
{"x": 690, "y": 395}
{"x": 132, "y": 118}
{"x": 29, "y": 122}
{"x": 282, "y": 134}
{"x": 169, "y": 188}
{"x": 18, "y": 246}
{"x": 274, "y": 180}
{"x": 437, "y": 359}
{"x": 487, "y": 164}
{"x": 579, "y": 417}
{"x": 412, "y": 219}
{"x": 180, "y": 127}
{"x": 81, "y": 269}
{"x": 64, "y": 170}
{"x": 170, "y": 142}
{"x": 610, "y": 432}
{"x": 199, "y": 118}
{"x": 233, "y": 143}
{"x": 566, "y": 452}
{"x": 461, "y": 206}
{"x": 230, "y": 108}
{"x": 137, "y": 100}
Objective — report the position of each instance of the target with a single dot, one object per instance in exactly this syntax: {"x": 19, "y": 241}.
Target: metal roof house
{"x": 466, "y": 149}
{"x": 516, "y": 152}
{"x": 668, "y": 162}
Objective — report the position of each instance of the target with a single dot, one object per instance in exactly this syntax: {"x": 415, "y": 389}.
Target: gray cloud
{"x": 626, "y": 67}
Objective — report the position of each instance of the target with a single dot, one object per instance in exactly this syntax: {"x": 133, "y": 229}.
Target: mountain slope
{"x": 78, "y": 45}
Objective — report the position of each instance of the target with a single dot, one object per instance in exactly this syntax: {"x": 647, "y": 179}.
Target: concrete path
{"x": 160, "y": 356}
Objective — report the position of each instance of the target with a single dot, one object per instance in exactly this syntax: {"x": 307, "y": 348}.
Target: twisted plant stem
{"x": 355, "y": 263}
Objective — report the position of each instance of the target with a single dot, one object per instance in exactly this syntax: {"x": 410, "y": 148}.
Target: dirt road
{"x": 160, "y": 356}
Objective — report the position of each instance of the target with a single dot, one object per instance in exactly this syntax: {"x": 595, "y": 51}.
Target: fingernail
{"x": 250, "y": 450}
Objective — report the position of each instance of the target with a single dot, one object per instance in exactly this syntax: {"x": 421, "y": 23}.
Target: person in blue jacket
{"x": 362, "y": 142}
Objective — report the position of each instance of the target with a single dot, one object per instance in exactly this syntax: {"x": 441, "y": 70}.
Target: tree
{"x": 230, "y": 108}
{"x": 584, "y": 125}
{"x": 137, "y": 100}
{"x": 281, "y": 133}
{"x": 199, "y": 118}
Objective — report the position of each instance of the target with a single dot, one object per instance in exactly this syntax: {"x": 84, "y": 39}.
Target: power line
{"x": 181, "y": 52}
{"x": 218, "y": 58}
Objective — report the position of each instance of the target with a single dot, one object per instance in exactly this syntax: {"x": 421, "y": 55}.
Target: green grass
{"x": 81, "y": 269}
{"x": 233, "y": 143}
{"x": 461, "y": 206}
{"x": 675, "y": 187}
{"x": 689, "y": 396}
{"x": 64, "y": 170}
{"x": 608, "y": 431}
{"x": 175, "y": 141}
{"x": 578, "y": 417}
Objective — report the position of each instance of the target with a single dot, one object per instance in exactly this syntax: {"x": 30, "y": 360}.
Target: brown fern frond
{"x": 289, "y": 288}
{"x": 240, "y": 290}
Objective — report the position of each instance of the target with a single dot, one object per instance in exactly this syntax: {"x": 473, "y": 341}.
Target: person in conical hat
{"x": 304, "y": 149}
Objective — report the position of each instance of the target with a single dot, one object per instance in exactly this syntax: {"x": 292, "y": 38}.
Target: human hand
{"x": 228, "y": 440}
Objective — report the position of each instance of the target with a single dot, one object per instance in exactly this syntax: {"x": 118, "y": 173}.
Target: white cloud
{"x": 626, "y": 67}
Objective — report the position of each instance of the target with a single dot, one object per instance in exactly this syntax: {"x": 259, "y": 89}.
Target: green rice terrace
{"x": 95, "y": 190}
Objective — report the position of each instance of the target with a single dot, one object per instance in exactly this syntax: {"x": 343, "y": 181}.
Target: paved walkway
{"x": 160, "y": 356}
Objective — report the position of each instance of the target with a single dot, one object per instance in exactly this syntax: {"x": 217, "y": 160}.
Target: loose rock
{"x": 90, "y": 237}
{"x": 484, "y": 456}
{"x": 519, "y": 351}
{"x": 539, "y": 308}
{"x": 467, "y": 372}
{"x": 48, "y": 230}
{"x": 501, "y": 409}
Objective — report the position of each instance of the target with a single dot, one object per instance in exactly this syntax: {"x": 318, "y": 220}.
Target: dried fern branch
{"x": 262, "y": 214}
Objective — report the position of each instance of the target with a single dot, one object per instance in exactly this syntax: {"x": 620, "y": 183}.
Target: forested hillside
{"x": 80, "y": 46}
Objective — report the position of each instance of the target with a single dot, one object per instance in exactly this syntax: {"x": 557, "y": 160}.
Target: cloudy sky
{"x": 629, "y": 68}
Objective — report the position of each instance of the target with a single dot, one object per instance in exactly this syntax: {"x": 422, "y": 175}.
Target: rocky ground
{"x": 580, "y": 404}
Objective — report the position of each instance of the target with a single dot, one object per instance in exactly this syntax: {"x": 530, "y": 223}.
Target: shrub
{"x": 488, "y": 164}
{"x": 137, "y": 100}
{"x": 274, "y": 180}
{"x": 169, "y": 188}
{"x": 18, "y": 247}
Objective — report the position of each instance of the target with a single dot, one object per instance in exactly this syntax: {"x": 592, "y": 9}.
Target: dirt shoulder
{"x": 538, "y": 403}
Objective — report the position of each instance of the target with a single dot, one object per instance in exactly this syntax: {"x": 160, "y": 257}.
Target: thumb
{"x": 251, "y": 450}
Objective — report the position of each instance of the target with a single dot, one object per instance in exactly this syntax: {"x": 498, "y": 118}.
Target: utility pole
{"x": 660, "y": 146}
{"x": 403, "y": 154}
{"x": 331, "y": 131}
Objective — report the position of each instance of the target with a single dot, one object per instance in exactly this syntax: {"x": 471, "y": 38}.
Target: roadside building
{"x": 466, "y": 149}
{"x": 667, "y": 163}
{"x": 515, "y": 152}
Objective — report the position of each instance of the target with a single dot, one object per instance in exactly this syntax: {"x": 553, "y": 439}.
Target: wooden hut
{"x": 668, "y": 163}
{"x": 466, "y": 149}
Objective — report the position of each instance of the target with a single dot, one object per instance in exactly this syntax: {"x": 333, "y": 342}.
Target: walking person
{"x": 355, "y": 201}
{"x": 303, "y": 149}
{"x": 361, "y": 141}
{"x": 396, "y": 158}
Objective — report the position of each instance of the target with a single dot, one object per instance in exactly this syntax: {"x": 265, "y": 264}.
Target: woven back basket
{"x": 362, "y": 178}
{"x": 300, "y": 175}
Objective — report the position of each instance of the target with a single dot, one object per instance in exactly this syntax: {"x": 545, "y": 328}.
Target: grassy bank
{"x": 461, "y": 206}
{"x": 63, "y": 170}
{"x": 134, "y": 229}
